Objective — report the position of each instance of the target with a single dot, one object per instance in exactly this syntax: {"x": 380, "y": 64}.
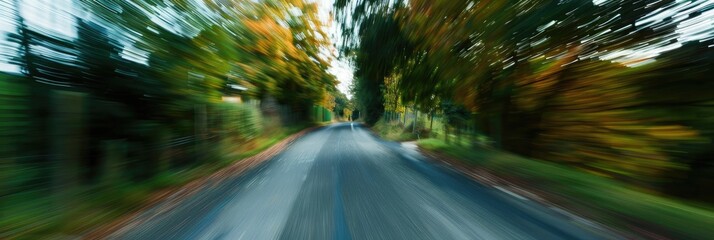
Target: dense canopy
{"x": 620, "y": 88}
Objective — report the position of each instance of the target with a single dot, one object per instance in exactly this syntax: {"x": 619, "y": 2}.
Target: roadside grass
{"x": 396, "y": 130}
{"x": 94, "y": 206}
{"x": 266, "y": 142}
{"x": 393, "y": 131}
{"x": 588, "y": 191}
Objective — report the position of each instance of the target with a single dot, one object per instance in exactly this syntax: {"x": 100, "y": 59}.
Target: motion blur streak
{"x": 104, "y": 102}
{"x": 560, "y": 119}
{"x": 339, "y": 178}
{"x": 618, "y": 89}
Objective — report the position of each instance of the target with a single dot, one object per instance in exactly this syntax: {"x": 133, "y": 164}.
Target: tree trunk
{"x": 446, "y": 133}
{"x": 406, "y": 112}
{"x": 416, "y": 119}
{"x": 458, "y": 134}
{"x": 431, "y": 121}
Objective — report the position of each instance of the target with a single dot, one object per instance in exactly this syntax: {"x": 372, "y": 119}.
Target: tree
{"x": 548, "y": 79}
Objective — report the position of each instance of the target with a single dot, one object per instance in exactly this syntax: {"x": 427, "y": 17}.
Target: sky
{"x": 54, "y": 15}
{"x": 51, "y": 16}
{"x": 340, "y": 67}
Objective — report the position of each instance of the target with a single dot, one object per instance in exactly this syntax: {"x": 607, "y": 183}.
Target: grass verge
{"x": 608, "y": 201}
{"x": 393, "y": 131}
{"x": 99, "y": 205}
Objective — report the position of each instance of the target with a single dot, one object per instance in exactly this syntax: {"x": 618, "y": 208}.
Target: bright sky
{"x": 340, "y": 68}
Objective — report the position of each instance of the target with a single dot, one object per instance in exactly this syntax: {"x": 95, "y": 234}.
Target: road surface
{"x": 342, "y": 182}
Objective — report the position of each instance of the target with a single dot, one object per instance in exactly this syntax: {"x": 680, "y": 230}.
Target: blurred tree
{"x": 550, "y": 79}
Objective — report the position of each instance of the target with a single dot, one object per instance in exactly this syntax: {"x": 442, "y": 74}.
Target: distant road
{"x": 341, "y": 182}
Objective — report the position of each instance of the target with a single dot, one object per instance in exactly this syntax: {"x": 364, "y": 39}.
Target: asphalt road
{"x": 341, "y": 182}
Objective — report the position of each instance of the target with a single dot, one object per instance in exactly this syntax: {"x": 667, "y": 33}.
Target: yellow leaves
{"x": 328, "y": 101}
{"x": 392, "y": 100}
{"x": 672, "y": 132}
{"x": 270, "y": 38}
{"x": 595, "y": 118}
{"x": 347, "y": 112}
{"x": 615, "y": 142}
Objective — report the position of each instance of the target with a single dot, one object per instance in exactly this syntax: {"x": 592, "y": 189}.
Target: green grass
{"x": 28, "y": 216}
{"x": 393, "y": 131}
{"x": 396, "y": 130}
{"x": 266, "y": 142}
{"x": 680, "y": 218}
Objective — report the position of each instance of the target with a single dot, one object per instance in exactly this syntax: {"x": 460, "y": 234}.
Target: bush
{"x": 241, "y": 120}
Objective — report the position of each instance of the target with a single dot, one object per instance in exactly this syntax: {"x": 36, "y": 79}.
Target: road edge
{"x": 522, "y": 191}
{"x": 173, "y": 196}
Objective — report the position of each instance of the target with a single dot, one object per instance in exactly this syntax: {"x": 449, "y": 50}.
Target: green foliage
{"x": 568, "y": 81}
{"x": 393, "y": 130}
{"x": 341, "y": 103}
{"x": 380, "y": 48}
{"x": 321, "y": 114}
{"x": 588, "y": 191}
{"x": 155, "y": 74}
{"x": 14, "y": 125}
{"x": 241, "y": 121}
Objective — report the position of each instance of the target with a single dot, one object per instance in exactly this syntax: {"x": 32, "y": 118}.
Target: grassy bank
{"x": 393, "y": 131}
{"x": 94, "y": 206}
{"x": 608, "y": 201}
{"x": 397, "y": 131}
